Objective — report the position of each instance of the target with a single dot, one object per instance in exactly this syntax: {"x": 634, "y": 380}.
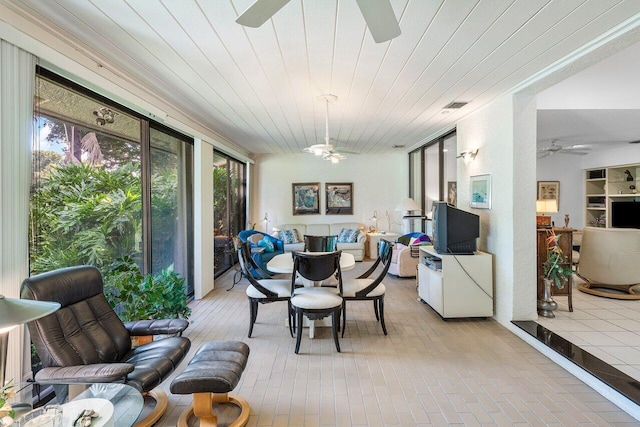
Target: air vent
{"x": 455, "y": 104}
{"x": 634, "y": 142}
{"x": 397, "y": 146}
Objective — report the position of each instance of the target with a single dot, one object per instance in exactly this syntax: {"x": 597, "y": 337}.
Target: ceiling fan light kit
{"x": 326, "y": 150}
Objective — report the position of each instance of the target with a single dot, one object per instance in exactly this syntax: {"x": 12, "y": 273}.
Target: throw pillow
{"x": 348, "y": 235}
{"x": 266, "y": 244}
{"x": 289, "y": 236}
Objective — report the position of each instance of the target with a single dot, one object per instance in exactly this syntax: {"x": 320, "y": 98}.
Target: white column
{"x": 203, "y": 218}
{"x": 17, "y": 81}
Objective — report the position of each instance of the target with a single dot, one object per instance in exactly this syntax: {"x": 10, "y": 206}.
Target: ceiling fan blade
{"x": 579, "y": 153}
{"x": 380, "y": 19}
{"x": 543, "y": 155}
{"x": 259, "y": 12}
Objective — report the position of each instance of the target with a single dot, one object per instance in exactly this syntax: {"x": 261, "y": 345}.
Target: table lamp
{"x": 407, "y": 206}
{"x": 543, "y": 207}
{"x": 376, "y": 219}
{"x": 14, "y": 312}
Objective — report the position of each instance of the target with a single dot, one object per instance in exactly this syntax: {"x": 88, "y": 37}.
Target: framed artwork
{"x": 549, "y": 190}
{"x": 480, "y": 192}
{"x": 452, "y": 193}
{"x": 306, "y": 198}
{"x": 339, "y": 198}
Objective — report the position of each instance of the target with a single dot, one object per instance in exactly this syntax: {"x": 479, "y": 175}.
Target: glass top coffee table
{"x": 127, "y": 401}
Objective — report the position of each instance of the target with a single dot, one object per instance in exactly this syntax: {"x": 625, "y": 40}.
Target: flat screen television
{"x": 454, "y": 231}
{"x": 625, "y": 214}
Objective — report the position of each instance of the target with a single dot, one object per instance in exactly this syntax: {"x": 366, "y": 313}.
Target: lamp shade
{"x": 547, "y": 206}
{"x": 408, "y": 204}
{"x": 14, "y": 311}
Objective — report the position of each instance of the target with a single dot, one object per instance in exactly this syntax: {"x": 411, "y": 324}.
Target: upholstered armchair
{"x": 84, "y": 342}
{"x": 404, "y": 261}
{"x": 271, "y": 246}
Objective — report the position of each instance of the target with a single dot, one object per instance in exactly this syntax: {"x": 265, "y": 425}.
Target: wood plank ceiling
{"x": 258, "y": 88}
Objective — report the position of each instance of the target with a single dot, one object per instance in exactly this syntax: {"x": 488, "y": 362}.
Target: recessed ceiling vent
{"x": 397, "y": 146}
{"x": 455, "y": 105}
{"x": 634, "y": 142}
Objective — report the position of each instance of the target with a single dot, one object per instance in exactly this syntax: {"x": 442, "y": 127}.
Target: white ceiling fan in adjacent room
{"x": 578, "y": 149}
{"x": 326, "y": 150}
{"x": 378, "y": 14}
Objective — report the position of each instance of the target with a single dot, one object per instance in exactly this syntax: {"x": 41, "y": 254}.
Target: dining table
{"x": 283, "y": 264}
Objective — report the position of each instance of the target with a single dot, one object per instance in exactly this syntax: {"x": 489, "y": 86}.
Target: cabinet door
{"x": 436, "y": 300}
{"x": 423, "y": 282}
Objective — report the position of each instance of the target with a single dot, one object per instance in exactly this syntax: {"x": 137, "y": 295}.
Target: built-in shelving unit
{"x": 606, "y": 185}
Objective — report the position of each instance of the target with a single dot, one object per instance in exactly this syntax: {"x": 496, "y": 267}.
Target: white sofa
{"x": 356, "y": 249}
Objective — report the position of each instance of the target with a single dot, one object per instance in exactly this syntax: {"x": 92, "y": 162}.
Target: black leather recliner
{"x": 85, "y": 342}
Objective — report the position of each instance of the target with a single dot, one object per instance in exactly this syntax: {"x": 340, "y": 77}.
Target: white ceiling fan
{"x": 326, "y": 150}
{"x": 378, "y": 14}
{"x": 579, "y": 150}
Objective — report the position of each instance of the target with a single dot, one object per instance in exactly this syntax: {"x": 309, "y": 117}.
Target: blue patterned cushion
{"x": 266, "y": 244}
{"x": 289, "y": 236}
{"x": 348, "y": 235}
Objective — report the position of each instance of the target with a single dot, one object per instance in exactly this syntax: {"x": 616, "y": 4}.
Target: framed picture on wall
{"x": 549, "y": 190}
{"x": 480, "y": 192}
{"x": 306, "y": 198}
{"x": 452, "y": 193}
{"x": 339, "y": 198}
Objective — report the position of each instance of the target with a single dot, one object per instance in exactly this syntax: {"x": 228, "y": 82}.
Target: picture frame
{"x": 480, "y": 191}
{"x": 452, "y": 193}
{"x": 339, "y": 198}
{"x": 549, "y": 190}
{"x": 306, "y": 198}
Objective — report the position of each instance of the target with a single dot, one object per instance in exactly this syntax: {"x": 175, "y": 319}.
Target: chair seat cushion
{"x": 281, "y": 287}
{"x": 316, "y": 299}
{"x": 351, "y": 286}
{"x": 154, "y": 362}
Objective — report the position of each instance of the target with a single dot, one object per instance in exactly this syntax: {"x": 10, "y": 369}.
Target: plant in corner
{"x": 555, "y": 268}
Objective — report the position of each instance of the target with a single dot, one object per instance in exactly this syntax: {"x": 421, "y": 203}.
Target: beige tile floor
{"x": 607, "y": 328}
{"x": 426, "y": 372}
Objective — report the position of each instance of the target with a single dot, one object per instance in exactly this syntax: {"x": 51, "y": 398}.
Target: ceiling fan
{"x": 569, "y": 149}
{"x": 378, "y": 15}
{"x": 326, "y": 150}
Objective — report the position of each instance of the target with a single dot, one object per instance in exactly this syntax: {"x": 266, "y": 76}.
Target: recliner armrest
{"x": 156, "y": 327}
{"x": 84, "y": 374}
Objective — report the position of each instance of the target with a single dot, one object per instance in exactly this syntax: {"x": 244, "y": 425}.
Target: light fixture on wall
{"x": 543, "y": 207}
{"x": 468, "y": 155}
{"x": 14, "y": 312}
{"x": 375, "y": 218}
{"x": 266, "y": 222}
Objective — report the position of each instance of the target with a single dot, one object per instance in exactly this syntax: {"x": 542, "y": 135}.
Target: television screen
{"x": 454, "y": 231}
{"x": 625, "y": 214}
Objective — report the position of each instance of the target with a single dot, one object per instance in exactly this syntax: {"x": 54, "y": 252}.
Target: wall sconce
{"x": 266, "y": 222}
{"x": 375, "y": 218}
{"x": 468, "y": 155}
{"x": 543, "y": 207}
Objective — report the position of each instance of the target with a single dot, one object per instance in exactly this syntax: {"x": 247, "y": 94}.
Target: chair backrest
{"x": 320, "y": 243}
{"x": 248, "y": 266}
{"x": 385, "y": 252}
{"x": 85, "y": 329}
{"x": 317, "y": 266}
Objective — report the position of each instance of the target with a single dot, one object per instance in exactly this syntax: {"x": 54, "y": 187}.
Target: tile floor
{"x": 426, "y": 372}
{"x": 607, "y": 328}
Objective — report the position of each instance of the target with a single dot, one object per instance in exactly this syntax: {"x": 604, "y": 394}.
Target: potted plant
{"x": 137, "y": 297}
{"x": 556, "y": 272}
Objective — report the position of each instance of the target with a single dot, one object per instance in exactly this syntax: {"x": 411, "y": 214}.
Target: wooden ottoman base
{"x": 202, "y": 408}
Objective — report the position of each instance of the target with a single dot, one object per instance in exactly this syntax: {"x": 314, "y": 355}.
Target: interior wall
{"x": 380, "y": 182}
{"x": 567, "y": 169}
{"x": 507, "y": 230}
{"x": 616, "y": 157}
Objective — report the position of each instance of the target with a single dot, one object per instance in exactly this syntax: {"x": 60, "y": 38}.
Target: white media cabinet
{"x": 462, "y": 287}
